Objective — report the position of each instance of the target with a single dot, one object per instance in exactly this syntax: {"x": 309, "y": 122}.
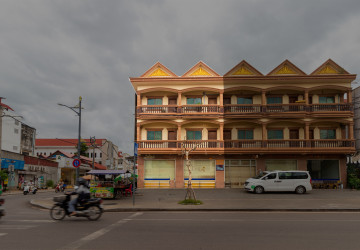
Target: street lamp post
{"x": 79, "y": 134}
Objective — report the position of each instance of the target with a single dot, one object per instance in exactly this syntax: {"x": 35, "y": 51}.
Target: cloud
{"x": 56, "y": 51}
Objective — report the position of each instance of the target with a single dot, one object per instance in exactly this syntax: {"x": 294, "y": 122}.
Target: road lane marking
{"x": 36, "y": 221}
{"x": 3, "y": 234}
{"x": 16, "y": 227}
{"x": 77, "y": 244}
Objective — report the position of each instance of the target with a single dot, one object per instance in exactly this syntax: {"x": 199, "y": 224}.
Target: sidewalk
{"x": 344, "y": 200}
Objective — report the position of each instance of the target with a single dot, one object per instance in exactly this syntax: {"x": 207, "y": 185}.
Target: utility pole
{"x": 1, "y": 115}
{"x": 79, "y": 133}
{"x": 92, "y": 142}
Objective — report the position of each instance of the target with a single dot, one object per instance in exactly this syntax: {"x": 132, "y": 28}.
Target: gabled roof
{"x": 329, "y": 68}
{"x": 158, "y": 70}
{"x": 62, "y": 153}
{"x": 286, "y": 68}
{"x": 200, "y": 69}
{"x": 243, "y": 69}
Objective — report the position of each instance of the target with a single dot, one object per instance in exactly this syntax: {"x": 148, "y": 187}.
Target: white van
{"x": 272, "y": 181}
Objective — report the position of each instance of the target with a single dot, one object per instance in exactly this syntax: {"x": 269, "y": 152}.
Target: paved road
{"x": 26, "y": 227}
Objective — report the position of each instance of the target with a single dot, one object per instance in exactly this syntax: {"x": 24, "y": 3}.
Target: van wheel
{"x": 259, "y": 190}
{"x": 300, "y": 190}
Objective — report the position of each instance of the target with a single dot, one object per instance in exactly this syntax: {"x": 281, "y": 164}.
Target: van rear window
{"x": 293, "y": 175}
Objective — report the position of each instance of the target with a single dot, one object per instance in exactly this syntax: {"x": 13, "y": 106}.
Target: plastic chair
{"x": 128, "y": 190}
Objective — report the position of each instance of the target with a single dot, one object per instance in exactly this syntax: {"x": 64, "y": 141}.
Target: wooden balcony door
{"x": 212, "y": 135}
{"x": 172, "y": 138}
{"x": 294, "y": 135}
{"x": 172, "y": 102}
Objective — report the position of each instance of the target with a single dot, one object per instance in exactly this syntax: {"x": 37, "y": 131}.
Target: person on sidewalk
{"x": 83, "y": 193}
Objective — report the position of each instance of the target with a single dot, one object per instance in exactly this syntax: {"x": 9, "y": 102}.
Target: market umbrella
{"x": 88, "y": 177}
{"x": 118, "y": 178}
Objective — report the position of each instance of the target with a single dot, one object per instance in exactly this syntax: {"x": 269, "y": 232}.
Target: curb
{"x": 356, "y": 210}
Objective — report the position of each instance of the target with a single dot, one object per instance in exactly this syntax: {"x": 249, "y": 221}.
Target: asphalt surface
{"x": 224, "y": 200}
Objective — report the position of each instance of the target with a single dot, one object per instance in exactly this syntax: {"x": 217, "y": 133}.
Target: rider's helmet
{"x": 82, "y": 181}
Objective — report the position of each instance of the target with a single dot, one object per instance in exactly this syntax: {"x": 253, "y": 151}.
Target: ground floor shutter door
{"x": 158, "y": 173}
{"x": 202, "y": 174}
{"x": 238, "y": 171}
{"x": 272, "y": 165}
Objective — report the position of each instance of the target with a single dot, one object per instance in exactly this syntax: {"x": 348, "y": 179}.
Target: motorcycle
{"x": 29, "y": 189}
{"x": 59, "y": 188}
{"x": 2, "y": 210}
{"x": 91, "y": 209}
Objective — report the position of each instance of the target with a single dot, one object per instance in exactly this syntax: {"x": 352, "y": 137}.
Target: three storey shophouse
{"x": 242, "y": 123}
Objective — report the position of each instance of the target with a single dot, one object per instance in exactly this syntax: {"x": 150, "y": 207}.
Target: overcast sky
{"x": 55, "y": 51}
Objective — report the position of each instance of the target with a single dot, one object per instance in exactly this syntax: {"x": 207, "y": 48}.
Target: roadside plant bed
{"x": 190, "y": 202}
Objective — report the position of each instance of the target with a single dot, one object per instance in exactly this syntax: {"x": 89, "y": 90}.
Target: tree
{"x": 83, "y": 148}
{"x": 190, "y": 194}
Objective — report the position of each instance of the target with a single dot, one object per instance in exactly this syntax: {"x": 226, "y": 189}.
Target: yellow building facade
{"x": 242, "y": 123}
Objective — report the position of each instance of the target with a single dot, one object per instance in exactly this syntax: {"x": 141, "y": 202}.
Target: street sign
{"x": 76, "y": 163}
{"x": 136, "y": 149}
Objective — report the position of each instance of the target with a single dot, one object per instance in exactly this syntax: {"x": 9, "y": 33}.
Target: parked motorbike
{"x": 29, "y": 189}
{"x": 2, "y": 210}
{"x": 91, "y": 209}
{"x": 59, "y": 188}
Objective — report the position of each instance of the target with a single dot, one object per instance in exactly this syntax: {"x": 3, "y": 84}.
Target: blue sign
{"x": 136, "y": 146}
{"x": 5, "y": 163}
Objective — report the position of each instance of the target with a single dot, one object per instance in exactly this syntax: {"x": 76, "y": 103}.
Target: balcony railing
{"x": 246, "y": 144}
{"x": 331, "y": 107}
{"x": 157, "y": 109}
{"x": 243, "y": 108}
{"x": 200, "y": 109}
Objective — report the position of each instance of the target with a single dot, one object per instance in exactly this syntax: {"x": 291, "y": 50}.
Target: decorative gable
{"x": 329, "y": 68}
{"x": 159, "y": 70}
{"x": 243, "y": 69}
{"x": 286, "y": 68}
{"x": 200, "y": 69}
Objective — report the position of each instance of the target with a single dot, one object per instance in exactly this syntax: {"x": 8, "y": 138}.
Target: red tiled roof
{"x": 63, "y": 142}
{"x": 69, "y": 155}
{"x": 89, "y": 161}
{"x": 5, "y": 106}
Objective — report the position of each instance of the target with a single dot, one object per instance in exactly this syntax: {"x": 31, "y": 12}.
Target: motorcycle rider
{"x": 83, "y": 193}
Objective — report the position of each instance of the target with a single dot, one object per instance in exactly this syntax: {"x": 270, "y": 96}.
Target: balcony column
{"x": 179, "y": 133}
{"x": 179, "y": 109}
{"x": 351, "y": 130}
{"x": 138, "y": 132}
{"x": 306, "y": 97}
{"x": 221, "y": 96}
{"x": 264, "y": 137}
{"x": 307, "y": 130}
{"x": 263, "y": 100}
{"x": 221, "y": 135}
{"x": 349, "y": 96}
{"x": 307, "y": 134}
{"x": 138, "y": 95}
{"x": 138, "y": 103}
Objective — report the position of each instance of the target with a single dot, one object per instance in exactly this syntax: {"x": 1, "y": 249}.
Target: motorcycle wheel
{"x": 34, "y": 192}
{"x": 26, "y": 192}
{"x": 57, "y": 212}
{"x": 56, "y": 190}
{"x": 94, "y": 212}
